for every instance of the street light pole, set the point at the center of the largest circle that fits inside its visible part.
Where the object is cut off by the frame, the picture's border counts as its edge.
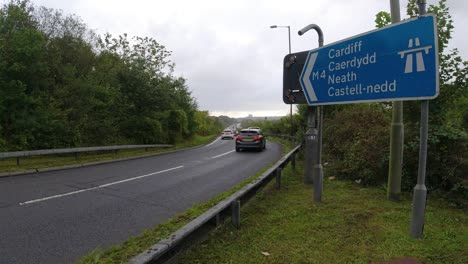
(289, 38)
(313, 136)
(289, 34)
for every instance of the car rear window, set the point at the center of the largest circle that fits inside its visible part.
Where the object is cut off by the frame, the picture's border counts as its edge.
(249, 133)
(227, 131)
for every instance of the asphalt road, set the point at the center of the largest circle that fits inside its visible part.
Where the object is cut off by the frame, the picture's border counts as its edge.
(59, 216)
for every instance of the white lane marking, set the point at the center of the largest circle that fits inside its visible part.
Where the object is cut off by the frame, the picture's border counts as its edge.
(214, 141)
(97, 187)
(222, 154)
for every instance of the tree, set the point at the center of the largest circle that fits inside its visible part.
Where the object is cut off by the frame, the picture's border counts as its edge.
(54, 24)
(382, 19)
(23, 78)
(206, 124)
(62, 86)
(149, 92)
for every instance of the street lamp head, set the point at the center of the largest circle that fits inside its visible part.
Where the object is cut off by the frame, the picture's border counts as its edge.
(273, 26)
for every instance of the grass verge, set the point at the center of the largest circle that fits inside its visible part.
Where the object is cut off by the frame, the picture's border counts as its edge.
(137, 244)
(48, 161)
(353, 224)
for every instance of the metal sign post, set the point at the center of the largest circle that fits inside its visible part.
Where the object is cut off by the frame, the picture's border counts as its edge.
(420, 190)
(313, 136)
(395, 162)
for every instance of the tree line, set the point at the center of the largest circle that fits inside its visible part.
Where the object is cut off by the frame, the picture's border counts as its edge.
(62, 85)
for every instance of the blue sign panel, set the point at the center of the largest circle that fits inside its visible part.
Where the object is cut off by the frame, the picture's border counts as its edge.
(398, 62)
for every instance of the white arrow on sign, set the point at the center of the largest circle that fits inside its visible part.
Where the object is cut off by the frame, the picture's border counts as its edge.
(309, 89)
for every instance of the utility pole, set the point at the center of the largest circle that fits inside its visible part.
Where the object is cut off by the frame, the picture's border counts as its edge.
(397, 132)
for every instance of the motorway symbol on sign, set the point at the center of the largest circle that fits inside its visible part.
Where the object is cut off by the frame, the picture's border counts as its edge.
(398, 62)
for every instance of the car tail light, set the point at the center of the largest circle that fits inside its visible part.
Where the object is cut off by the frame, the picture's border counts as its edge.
(256, 138)
(238, 138)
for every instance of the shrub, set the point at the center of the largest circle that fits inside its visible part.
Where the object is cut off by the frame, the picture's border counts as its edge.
(356, 142)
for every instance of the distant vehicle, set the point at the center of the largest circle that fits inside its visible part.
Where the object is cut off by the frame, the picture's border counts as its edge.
(227, 134)
(250, 139)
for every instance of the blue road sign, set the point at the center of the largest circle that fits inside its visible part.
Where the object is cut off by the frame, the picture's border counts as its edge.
(394, 63)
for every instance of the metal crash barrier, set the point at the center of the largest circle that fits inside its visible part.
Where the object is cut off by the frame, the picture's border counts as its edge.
(30, 153)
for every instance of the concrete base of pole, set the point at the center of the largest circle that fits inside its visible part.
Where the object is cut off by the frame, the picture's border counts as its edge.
(419, 206)
(394, 197)
(318, 182)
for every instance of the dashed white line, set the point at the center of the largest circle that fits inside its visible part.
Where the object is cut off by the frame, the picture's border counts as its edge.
(222, 154)
(97, 187)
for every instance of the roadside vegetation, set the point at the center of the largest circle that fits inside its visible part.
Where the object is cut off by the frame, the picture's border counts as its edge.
(353, 224)
(63, 86)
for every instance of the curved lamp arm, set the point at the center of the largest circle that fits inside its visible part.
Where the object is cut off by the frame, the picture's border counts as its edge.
(317, 28)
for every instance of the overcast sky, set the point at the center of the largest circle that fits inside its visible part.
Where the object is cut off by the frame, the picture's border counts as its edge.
(226, 50)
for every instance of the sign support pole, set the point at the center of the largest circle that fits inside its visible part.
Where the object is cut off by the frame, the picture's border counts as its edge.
(397, 132)
(313, 137)
(420, 190)
(311, 140)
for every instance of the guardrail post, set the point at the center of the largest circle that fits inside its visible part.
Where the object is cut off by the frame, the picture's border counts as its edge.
(76, 155)
(235, 209)
(216, 221)
(293, 161)
(278, 178)
(17, 161)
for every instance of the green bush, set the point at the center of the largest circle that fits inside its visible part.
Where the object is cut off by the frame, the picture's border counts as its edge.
(447, 162)
(356, 143)
(356, 146)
